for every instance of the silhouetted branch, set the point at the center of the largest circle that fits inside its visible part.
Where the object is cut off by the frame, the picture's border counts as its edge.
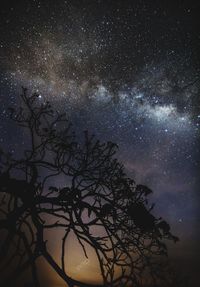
(97, 194)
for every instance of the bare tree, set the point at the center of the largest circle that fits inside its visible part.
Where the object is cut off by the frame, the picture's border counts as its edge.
(97, 193)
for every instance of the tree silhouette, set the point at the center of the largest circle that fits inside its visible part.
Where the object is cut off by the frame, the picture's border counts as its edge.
(96, 193)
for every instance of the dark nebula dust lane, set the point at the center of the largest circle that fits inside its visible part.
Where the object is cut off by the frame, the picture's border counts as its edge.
(128, 71)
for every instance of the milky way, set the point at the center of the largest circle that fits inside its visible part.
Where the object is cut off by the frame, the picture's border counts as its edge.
(127, 73)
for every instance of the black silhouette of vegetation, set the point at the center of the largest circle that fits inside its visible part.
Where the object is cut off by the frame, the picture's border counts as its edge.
(97, 193)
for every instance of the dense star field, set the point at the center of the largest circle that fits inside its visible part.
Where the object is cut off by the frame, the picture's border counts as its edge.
(128, 72)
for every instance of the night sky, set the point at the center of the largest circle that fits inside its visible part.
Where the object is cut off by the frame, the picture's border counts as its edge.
(127, 71)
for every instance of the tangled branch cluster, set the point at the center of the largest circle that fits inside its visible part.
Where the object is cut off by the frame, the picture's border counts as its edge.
(97, 195)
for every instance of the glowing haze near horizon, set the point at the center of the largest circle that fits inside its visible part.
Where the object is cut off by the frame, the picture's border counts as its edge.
(126, 71)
